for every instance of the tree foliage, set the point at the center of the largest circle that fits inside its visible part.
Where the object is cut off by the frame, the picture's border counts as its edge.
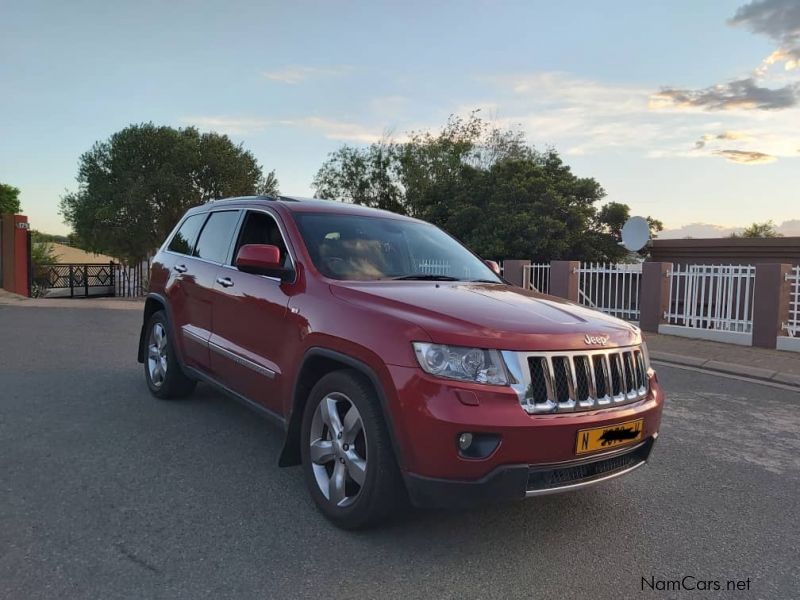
(488, 187)
(9, 199)
(133, 187)
(758, 230)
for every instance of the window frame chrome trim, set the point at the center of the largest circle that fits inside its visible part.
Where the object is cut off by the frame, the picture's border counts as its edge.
(286, 243)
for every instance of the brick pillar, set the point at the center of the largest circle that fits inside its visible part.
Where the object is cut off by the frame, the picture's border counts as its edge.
(770, 303)
(14, 254)
(564, 279)
(512, 270)
(654, 295)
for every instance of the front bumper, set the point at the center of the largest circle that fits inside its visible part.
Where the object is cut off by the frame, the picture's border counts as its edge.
(429, 414)
(515, 482)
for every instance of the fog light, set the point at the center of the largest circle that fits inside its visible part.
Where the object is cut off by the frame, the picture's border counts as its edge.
(464, 441)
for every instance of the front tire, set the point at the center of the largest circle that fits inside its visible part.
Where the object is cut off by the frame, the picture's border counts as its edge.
(162, 371)
(348, 461)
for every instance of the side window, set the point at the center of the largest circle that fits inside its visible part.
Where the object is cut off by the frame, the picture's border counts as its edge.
(261, 228)
(184, 239)
(216, 237)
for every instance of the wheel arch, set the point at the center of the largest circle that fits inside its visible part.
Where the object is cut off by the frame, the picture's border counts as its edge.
(152, 304)
(318, 362)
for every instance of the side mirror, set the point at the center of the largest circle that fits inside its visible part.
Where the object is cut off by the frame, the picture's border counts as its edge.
(493, 266)
(262, 259)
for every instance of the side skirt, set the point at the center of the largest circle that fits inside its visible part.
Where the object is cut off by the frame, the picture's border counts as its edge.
(261, 410)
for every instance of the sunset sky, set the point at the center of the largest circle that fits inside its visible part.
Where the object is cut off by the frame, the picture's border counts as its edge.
(687, 111)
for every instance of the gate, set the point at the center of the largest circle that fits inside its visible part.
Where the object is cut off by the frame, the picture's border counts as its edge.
(74, 280)
(131, 281)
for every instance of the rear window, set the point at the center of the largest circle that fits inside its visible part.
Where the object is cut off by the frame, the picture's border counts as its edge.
(184, 239)
(217, 235)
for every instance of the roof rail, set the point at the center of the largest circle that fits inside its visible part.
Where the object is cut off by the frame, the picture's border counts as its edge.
(260, 197)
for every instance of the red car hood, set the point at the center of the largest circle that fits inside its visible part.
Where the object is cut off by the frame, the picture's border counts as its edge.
(490, 315)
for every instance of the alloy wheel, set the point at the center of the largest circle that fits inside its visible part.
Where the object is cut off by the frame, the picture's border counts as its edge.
(338, 449)
(157, 355)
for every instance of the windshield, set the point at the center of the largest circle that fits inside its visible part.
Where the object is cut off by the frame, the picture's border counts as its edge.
(371, 248)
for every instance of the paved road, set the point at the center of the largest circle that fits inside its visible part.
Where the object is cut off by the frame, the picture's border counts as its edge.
(107, 493)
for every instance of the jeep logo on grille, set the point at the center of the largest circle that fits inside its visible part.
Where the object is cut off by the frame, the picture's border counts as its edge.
(595, 340)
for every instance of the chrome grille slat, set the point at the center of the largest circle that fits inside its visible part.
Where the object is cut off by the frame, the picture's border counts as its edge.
(549, 382)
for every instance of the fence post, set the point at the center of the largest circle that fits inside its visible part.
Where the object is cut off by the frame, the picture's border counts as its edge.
(564, 279)
(113, 282)
(770, 303)
(86, 280)
(654, 295)
(71, 282)
(513, 271)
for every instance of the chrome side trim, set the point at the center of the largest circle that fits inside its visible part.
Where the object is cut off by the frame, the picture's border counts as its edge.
(241, 360)
(577, 398)
(582, 484)
(191, 335)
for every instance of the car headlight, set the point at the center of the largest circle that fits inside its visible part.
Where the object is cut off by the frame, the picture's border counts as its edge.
(466, 364)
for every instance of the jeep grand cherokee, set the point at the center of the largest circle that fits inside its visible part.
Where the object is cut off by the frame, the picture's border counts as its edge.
(398, 364)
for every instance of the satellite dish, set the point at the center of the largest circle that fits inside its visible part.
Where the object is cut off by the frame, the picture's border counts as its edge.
(635, 233)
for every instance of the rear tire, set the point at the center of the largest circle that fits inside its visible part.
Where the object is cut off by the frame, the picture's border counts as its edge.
(162, 371)
(348, 461)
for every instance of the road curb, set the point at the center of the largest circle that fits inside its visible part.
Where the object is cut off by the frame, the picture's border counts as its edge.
(728, 368)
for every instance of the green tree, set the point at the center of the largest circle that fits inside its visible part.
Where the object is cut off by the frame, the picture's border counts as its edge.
(364, 176)
(758, 230)
(42, 253)
(268, 186)
(486, 186)
(133, 187)
(9, 199)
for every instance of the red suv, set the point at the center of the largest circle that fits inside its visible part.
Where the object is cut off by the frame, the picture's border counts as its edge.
(398, 363)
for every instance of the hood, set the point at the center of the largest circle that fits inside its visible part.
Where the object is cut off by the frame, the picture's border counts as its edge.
(490, 315)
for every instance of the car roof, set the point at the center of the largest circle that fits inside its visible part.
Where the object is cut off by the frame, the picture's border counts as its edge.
(299, 204)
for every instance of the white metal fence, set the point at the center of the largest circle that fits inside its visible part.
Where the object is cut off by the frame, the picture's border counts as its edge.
(793, 325)
(611, 288)
(712, 297)
(434, 267)
(536, 277)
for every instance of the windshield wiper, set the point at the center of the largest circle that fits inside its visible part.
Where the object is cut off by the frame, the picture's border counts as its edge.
(425, 277)
(484, 281)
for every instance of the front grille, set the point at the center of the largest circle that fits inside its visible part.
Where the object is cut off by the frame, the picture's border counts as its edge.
(554, 476)
(571, 381)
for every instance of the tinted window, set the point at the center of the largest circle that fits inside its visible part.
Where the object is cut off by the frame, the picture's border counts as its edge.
(261, 228)
(216, 237)
(185, 237)
(368, 248)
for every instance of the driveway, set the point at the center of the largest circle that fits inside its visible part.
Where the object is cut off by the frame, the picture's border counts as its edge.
(106, 492)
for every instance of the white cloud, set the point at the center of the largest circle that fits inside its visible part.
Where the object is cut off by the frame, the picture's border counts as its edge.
(298, 74)
(708, 230)
(228, 125)
(333, 129)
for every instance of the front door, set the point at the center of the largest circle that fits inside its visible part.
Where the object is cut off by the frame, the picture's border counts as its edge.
(251, 329)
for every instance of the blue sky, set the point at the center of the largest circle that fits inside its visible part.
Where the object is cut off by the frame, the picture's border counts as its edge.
(670, 105)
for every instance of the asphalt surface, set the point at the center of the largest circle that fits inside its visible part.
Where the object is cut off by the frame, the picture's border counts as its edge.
(107, 493)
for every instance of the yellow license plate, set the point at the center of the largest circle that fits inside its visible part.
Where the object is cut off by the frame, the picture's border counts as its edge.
(609, 436)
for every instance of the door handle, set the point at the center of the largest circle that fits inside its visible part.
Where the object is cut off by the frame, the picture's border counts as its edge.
(225, 281)
(180, 268)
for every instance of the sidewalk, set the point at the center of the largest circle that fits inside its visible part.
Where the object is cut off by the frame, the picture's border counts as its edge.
(9, 299)
(758, 363)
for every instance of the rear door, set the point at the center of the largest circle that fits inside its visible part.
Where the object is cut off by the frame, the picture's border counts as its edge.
(252, 332)
(191, 297)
